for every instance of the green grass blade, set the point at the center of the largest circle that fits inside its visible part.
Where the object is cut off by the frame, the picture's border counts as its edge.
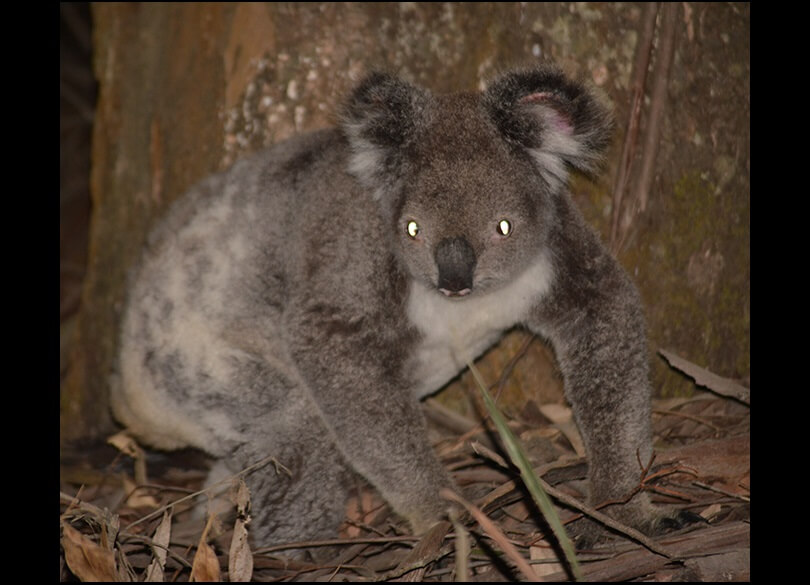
(519, 459)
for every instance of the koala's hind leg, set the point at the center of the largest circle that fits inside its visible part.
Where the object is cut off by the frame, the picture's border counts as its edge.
(301, 494)
(255, 417)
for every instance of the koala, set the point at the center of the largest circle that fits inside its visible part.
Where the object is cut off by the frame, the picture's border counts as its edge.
(299, 304)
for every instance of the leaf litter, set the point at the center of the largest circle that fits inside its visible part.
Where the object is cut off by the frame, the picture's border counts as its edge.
(115, 528)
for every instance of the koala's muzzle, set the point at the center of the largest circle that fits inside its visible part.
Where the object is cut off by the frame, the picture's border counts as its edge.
(456, 261)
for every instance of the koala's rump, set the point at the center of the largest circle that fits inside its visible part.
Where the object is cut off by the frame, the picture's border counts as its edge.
(203, 355)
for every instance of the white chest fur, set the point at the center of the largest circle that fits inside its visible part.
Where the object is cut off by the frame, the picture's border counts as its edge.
(457, 330)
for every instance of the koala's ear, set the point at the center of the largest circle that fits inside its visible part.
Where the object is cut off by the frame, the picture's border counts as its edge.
(382, 117)
(559, 121)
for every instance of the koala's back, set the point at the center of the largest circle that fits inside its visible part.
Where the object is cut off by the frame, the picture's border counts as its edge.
(203, 334)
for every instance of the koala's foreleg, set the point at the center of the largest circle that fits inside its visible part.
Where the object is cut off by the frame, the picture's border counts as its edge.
(593, 318)
(366, 402)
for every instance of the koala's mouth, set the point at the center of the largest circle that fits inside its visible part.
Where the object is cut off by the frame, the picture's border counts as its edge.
(451, 293)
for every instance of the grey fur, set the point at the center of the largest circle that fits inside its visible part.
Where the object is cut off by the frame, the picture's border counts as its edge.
(282, 308)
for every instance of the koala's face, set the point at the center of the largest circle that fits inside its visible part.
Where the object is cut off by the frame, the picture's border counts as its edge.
(470, 216)
(468, 181)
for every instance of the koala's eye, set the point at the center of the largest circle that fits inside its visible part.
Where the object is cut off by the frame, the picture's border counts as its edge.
(504, 227)
(413, 228)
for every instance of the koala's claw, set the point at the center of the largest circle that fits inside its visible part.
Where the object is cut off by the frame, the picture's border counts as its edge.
(681, 519)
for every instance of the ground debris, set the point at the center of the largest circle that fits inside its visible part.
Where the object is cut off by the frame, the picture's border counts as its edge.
(702, 464)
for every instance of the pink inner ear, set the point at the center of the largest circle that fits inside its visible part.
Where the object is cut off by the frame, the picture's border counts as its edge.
(539, 97)
(551, 113)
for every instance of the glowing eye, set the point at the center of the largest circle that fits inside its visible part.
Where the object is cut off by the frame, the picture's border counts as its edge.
(413, 228)
(504, 227)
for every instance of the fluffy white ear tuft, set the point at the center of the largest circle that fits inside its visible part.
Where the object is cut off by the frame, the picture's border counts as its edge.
(560, 122)
(380, 118)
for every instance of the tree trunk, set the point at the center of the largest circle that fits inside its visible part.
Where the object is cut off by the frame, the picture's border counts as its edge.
(186, 89)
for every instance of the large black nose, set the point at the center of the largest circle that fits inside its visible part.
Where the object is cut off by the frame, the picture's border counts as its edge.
(456, 261)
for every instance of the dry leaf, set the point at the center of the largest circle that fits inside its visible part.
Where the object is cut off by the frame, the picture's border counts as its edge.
(138, 498)
(240, 496)
(240, 557)
(723, 461)
(707, 379)
(563, 419)
(205, 566)
(353, 514)
(556, 413)
(537, 553)
(87, 560)
(128, 446)
(159, 548)
(360, 510)
(369, 504)
(711, 511)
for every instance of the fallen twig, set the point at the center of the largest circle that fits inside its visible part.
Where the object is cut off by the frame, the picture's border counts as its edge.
(718, 490)
(494, 533)
(229, 479)
(640, 562)
(426, 551)
(606, 520)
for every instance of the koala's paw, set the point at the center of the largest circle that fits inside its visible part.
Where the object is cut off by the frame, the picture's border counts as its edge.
(587, 533)
(425, 518)
(674, 520)
(426, 513)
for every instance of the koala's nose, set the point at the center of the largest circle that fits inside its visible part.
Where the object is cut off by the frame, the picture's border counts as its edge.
(456, 260)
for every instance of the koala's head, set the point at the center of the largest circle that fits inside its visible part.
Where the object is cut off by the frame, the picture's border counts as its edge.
(468, 181)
